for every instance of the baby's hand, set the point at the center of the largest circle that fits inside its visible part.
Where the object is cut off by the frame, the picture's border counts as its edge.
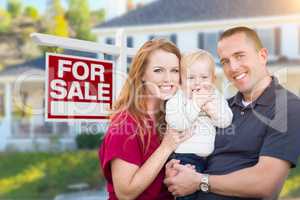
(200, 100)
(211, 108)
(203, 94)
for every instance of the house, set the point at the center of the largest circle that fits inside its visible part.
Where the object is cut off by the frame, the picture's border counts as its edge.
(193, 24)
(190, 24)
(22, 123)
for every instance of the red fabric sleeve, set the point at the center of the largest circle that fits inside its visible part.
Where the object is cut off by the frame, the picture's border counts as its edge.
(121, 141)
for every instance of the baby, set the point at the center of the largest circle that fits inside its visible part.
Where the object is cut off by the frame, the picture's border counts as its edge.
(197, 107)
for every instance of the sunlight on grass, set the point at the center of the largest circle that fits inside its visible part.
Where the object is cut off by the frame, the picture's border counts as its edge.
(291, 185)
(27, 176)
(48, 175)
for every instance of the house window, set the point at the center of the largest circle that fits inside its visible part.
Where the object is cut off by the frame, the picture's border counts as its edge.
(151, 37)
(130, 41)
(210, 43)
(173, 38)
(1, 106)
(111, 41)
(268, 38)
(129, 60)
(200, 40)
(299, 40)
(277, 41)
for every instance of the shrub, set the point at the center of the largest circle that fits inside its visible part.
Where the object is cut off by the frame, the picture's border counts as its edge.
(89, 141)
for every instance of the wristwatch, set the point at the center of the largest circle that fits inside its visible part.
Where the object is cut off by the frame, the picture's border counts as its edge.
(204, 184)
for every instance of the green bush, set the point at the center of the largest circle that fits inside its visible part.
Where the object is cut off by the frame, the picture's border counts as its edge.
(89, 141)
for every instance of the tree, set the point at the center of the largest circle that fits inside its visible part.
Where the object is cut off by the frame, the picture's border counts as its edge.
(80, 19)
(31, 12)
(14, 7)
(55, 18)
(5, 21)
(97, 16)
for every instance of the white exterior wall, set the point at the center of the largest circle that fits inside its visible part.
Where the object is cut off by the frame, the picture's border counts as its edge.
(34, 91)
(139, 40)
(187, 41)
(290, 40)
(101, 39)
(5, 124)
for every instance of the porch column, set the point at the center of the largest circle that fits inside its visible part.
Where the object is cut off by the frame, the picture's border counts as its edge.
(5, 127)
(121, 63)
(8, 108)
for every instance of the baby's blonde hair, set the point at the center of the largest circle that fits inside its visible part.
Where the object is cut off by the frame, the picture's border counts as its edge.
(190, 58)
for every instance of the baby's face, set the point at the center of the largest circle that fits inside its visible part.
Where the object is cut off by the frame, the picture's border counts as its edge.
(198, 74)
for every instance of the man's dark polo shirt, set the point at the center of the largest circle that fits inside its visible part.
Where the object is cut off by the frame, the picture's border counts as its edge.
(269, 126)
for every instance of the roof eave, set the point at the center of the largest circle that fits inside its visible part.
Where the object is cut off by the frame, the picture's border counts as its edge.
(204, 25)
(27, 76)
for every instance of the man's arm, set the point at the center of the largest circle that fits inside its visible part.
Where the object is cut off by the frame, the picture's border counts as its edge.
(262, 180)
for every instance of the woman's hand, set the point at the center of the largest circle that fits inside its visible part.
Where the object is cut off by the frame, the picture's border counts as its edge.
(173, 138)
(170, 171)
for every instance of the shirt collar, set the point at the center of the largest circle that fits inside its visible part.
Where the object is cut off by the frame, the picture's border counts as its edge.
(237, 100)
(268, 95)
(266, 98)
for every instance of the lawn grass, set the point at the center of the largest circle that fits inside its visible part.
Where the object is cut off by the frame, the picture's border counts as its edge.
(44, 175)
(292, 184)
(41, 176)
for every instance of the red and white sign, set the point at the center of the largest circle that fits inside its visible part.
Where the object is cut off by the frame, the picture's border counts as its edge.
(77, 88)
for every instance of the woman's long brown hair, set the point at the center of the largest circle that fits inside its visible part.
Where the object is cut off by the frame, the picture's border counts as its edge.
(131, 96)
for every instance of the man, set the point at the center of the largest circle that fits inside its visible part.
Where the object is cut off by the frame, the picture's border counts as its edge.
(253, 156)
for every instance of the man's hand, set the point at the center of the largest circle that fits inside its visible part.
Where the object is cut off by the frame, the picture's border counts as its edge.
(185, 182)
(170, 171)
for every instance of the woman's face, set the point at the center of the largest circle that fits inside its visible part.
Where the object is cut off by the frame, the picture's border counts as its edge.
(161, 77)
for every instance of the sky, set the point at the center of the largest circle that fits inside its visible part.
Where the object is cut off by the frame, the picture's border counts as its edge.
(41, 4)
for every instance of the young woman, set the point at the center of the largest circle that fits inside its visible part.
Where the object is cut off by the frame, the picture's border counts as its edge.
(133, 152)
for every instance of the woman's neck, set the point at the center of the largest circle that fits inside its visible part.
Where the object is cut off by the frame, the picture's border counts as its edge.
(153, 106)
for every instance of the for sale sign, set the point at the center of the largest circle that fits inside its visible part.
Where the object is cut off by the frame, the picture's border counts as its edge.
(77, 88)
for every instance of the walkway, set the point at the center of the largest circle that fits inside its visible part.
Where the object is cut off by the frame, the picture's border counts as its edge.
(86, 195)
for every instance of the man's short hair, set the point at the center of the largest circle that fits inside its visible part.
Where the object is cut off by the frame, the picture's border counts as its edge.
(250, 34)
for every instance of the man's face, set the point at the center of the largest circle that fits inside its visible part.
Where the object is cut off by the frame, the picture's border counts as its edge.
(243, 65)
